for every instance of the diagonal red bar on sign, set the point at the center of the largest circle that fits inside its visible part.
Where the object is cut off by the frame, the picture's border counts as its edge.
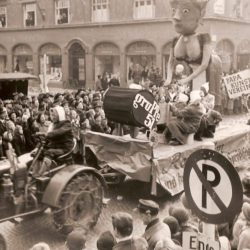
(209, 189)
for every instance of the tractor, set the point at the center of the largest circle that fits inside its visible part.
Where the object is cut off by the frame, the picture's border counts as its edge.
(73, 192)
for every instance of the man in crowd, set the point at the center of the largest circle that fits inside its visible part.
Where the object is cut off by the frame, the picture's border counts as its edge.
(157, 233)
(123, 229)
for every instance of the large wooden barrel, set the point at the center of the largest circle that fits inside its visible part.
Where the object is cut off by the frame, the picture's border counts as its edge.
(131, 106)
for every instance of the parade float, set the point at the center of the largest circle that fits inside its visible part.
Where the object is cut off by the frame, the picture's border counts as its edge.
(149, 158)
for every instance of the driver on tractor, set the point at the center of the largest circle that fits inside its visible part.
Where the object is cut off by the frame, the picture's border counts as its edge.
(59, 141)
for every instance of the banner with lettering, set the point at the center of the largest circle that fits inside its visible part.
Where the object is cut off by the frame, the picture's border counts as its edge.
(237, 84)
(133, 156)
(171, 163)
(235, 147)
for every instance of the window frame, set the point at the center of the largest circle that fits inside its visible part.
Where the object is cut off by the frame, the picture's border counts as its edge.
(141, 7)
(57, 11)
(5, 13)
(104, 12)
(25, 14)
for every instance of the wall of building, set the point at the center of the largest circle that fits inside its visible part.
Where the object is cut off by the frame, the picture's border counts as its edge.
(121, 31)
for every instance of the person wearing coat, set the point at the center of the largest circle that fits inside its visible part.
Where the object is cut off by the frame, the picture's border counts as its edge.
(59, 139)
(157, 233)
(187, 120)
(19, 142)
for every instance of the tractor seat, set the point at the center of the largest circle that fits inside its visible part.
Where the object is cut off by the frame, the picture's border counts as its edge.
(68, 155)
(4, 166)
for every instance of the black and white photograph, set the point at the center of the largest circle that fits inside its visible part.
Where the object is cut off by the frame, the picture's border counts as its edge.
(125, 124)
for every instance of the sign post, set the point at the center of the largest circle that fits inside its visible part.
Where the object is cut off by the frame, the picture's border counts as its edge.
(212, 186)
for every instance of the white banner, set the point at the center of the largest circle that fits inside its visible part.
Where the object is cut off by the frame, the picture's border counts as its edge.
(237, 84)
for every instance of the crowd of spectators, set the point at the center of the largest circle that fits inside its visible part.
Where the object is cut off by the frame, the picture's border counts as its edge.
(23, 117)
(165, 231)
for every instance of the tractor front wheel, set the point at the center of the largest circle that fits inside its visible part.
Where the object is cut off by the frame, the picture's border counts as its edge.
(80, 204)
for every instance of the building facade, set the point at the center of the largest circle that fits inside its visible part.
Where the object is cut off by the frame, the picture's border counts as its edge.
(76, 40)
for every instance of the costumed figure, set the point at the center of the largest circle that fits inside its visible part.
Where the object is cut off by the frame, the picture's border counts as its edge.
(187, 121)
(193, 49)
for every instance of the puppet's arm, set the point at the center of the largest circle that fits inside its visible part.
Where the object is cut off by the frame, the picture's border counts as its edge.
(170, 68)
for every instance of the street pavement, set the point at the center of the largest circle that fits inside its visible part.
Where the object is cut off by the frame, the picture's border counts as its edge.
(120, 198)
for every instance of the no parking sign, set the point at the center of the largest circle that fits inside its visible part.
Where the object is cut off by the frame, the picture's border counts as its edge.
(212, 186)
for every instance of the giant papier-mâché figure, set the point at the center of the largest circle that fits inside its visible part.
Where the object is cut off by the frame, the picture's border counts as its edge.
(193, 49)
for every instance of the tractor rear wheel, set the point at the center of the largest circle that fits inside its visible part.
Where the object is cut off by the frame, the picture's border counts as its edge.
(80, 204)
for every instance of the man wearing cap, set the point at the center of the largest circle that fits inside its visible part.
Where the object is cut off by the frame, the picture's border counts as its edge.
(123, 228)
(157, 233)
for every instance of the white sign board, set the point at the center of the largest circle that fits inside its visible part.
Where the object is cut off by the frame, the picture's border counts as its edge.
(219, 7)
(237, 84)
(207, 174)
(194, 241)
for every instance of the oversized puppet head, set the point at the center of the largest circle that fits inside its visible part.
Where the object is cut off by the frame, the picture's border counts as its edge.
(187, 15)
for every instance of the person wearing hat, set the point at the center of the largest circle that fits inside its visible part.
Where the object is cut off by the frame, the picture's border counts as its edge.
(156, 232)
(123, 228)
(244, 237)
(76, 240)
(98, 109)
(59, 140)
